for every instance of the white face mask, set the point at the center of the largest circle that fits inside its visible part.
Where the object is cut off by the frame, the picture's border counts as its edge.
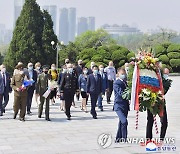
(30, 68)
(38, 68)
(53, 68)
(101, 69)
(3, 70)
(85, 71)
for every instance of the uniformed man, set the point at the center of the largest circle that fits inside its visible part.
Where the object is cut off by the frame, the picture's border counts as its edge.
(68, 87)
(41, 87)
(20, 92)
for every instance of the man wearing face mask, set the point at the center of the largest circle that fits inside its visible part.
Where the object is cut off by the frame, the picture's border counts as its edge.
(90, 71)
(41, 88)
(32, 76)
(94, 89)
(20, 92)
(104, 84)
(121, 106)
(64, 70)
(6, 88)
(67, 61)
(68, 87)
(79, 70)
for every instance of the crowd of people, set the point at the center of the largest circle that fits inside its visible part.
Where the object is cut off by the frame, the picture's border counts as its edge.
(95, 82)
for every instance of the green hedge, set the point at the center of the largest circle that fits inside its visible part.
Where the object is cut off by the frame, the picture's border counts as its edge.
(174, 55)
(159, 50)
(164, 59)
(174, 48)
(175, 62)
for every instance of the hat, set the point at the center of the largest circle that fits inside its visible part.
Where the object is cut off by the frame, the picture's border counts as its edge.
(45, 66)
(20, 65)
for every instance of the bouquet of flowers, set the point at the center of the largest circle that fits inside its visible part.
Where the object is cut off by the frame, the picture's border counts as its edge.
(51, 85)
(146, 86)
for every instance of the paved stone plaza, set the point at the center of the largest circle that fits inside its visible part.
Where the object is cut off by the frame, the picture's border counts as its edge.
(80, 135)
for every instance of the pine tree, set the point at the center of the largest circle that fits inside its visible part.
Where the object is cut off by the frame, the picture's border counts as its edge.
(48, 36)
(31, 37)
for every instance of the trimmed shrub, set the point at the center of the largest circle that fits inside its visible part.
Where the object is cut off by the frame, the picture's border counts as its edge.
(164, 59)
(174, 48)
(174, 55)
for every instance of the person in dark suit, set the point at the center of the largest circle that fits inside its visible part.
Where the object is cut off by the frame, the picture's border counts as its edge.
(121, 106)
(163, 119)
(79, 70)
(32, 76)
(68, 87)
(7, 88)
(94, 88)
(64, 70)
(105, 86)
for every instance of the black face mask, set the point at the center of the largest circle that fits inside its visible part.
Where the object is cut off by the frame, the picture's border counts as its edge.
(46, 72)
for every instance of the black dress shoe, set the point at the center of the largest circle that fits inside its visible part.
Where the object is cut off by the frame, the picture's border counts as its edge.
(48, 119)
(68, 118)
(39, 116)
(14, 117)
(22, 119)
(94, 117)
(3, 110)
(1, 114)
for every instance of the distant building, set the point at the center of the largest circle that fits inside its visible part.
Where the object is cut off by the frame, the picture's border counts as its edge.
(85, 24)
(18, 5)
(91, 23)
(63, 26)
(82, 25)
(52, 9)
(5, 35)
(71, 24)
(115, 30)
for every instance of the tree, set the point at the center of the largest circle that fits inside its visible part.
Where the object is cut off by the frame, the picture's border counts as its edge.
(48, 36)
(31, 37)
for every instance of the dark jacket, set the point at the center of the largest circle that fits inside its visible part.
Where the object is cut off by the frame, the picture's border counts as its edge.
(119, 87)
(79, 70)
(69, 82)
(104, 80)
(93, 86)
(8, 88)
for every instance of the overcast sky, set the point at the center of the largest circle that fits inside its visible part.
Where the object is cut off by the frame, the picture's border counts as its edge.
(145, 14)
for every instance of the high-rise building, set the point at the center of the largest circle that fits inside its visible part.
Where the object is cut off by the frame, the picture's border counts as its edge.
(63, 25)
(18, 5)
(91, 23)
(72, 23)
(52, 9)
(82, 25)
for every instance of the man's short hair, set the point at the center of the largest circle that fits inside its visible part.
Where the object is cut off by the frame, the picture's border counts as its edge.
(94, 66)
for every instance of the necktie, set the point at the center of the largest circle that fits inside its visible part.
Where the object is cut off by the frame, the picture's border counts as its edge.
(4, 80)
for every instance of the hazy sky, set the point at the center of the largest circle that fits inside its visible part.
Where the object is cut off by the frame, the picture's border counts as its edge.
(146, 14)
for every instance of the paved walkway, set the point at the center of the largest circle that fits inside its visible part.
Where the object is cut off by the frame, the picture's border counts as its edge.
(80, 135)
